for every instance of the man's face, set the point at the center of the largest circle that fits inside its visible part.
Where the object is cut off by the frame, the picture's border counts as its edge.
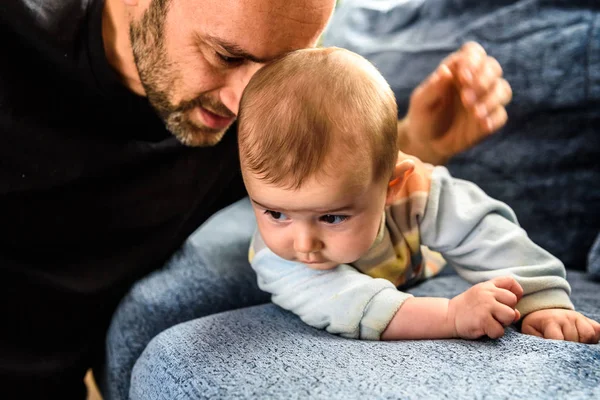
(196, 57)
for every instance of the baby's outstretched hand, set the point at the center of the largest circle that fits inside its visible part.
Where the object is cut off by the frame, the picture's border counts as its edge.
(486, 308)
(561, 324)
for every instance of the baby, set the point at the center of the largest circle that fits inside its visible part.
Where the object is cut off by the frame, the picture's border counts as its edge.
(345, 219)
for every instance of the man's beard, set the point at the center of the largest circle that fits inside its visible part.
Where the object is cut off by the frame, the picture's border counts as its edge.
(157, 76)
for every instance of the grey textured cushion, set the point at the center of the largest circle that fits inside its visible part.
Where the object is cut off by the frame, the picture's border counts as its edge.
(267, 353)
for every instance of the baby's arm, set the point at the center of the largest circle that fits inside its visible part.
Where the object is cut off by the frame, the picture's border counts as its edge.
(481, 238)
(351, 304)
(484, 309)
(342, 301)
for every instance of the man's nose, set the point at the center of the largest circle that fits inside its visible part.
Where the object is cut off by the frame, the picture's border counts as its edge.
(236, 82)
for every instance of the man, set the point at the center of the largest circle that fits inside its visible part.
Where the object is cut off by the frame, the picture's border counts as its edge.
(117, 119)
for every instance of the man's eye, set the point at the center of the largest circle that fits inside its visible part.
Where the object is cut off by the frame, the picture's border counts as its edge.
(333, 219)
(276, 215)
(230, 60)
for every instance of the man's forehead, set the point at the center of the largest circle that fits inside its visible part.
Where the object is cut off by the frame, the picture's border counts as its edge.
(287, 7)
(264, 29)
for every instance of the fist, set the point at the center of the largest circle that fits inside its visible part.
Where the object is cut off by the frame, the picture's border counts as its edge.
(486, 308)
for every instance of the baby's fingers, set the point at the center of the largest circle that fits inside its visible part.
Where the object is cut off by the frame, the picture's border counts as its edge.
(570, 331)
(509, 283)
(492, 328)
(529, 329)
(588, 330)
(553, 331)
(506, 297)
(504, 314)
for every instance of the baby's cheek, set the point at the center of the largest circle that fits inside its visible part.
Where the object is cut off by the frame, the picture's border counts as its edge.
(272, 240)
(356, 246)
(281, 246)
(274, 243)
(281, 251)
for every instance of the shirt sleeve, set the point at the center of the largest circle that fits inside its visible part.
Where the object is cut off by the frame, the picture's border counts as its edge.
(342, 300)
(480, 237)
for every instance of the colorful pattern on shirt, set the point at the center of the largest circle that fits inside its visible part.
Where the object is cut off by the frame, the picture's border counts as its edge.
(397, 254)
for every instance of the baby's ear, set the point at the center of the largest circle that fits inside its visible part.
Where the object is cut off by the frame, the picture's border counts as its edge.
(402, 167)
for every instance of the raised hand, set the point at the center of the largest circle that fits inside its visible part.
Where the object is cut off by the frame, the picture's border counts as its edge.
(459, 104)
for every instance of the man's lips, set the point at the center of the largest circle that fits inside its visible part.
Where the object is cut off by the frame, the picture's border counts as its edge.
(213, 120)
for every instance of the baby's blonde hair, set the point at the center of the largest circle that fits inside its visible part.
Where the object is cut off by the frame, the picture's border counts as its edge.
(307, 112)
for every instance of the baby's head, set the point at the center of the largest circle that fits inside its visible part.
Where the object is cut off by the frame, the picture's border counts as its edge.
(318, 144)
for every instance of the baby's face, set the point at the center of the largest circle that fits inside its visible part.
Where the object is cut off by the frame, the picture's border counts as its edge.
(327, 222)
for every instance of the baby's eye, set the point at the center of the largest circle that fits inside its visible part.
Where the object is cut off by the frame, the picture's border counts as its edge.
(276, 215)
(333, 219)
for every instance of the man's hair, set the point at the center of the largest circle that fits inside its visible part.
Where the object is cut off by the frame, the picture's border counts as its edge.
(311, 110)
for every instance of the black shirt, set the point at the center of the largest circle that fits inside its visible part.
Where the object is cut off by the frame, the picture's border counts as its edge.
(94, 191)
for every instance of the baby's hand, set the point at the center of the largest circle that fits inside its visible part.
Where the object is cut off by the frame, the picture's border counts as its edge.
(561, 324)
(486, 308)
